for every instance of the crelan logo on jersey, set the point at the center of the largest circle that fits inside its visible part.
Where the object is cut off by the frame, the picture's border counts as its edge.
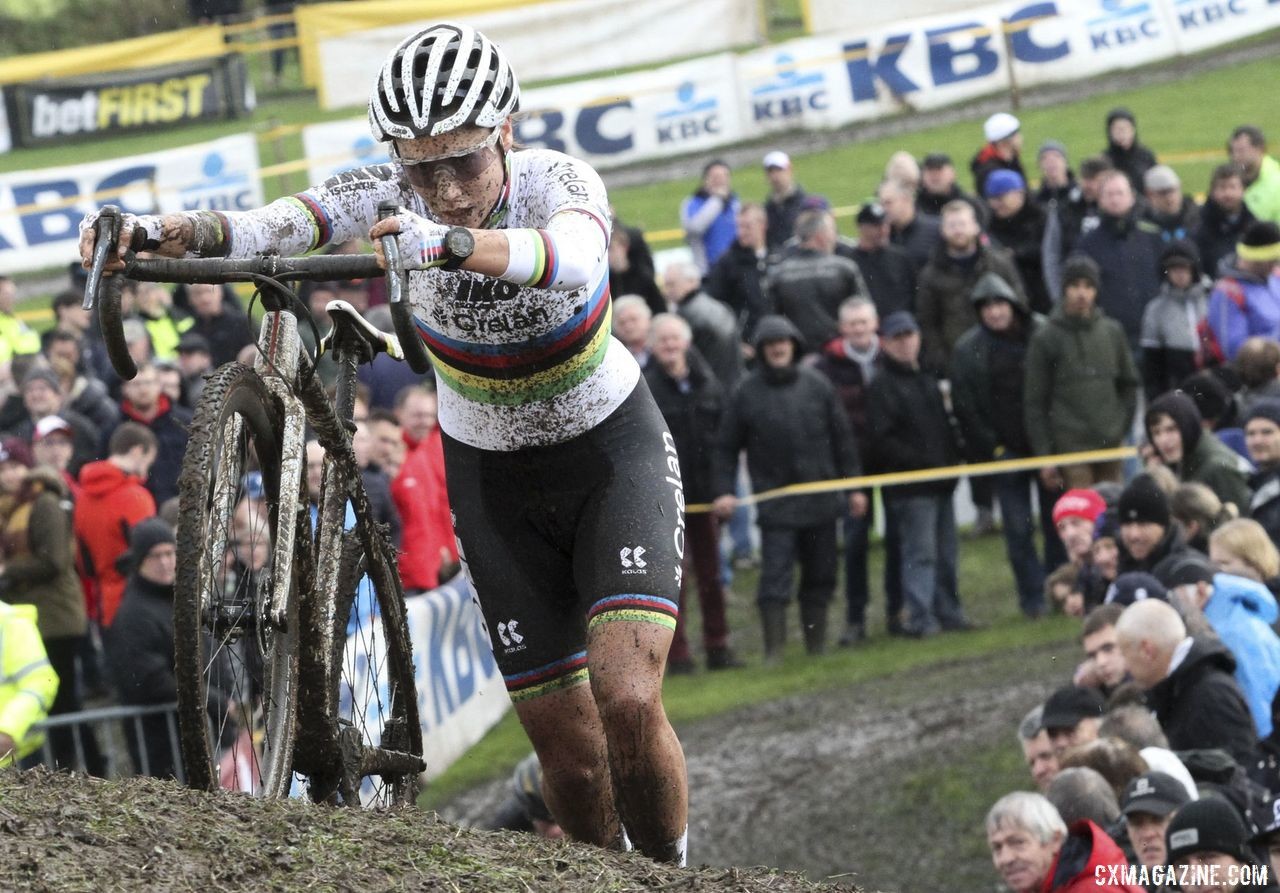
(633, 560)
(512, 640)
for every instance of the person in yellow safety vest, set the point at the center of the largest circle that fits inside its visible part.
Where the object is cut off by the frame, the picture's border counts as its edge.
(27, 682)
(165, 324)
(16, 337)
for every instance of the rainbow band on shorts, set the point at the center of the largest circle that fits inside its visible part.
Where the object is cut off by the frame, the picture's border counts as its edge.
(563, 673)
(634, 608)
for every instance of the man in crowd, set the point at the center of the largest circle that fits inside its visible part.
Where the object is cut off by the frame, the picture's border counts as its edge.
(715, 331)
(1071, 717)
(1002, 151)
(1177, 215)
(1019, 226)
(631, 320)
(1189, 682)
(1059, 194)
(1209, 837)
(144, 404)
(913, 232)
(1224, 217)
(1126, 152)
(1104, 664)
(1149, 802)
(791, 424)
(1180, 442)
(786, 199)
(708, 215)
(629, 278)
(1248, 150)
(1148, 534)
(1127, 251)
(889, 273)
(938, 187)
(195, 361)
(850, 362)
(1024, 833)
(42, 396)
(165, 324)
(1245, 300)
(943, 302)
(910, 430)
(737, 279)
(692, 402)
(223, 325)
(1037, 749)
(1074, 516)
(810, 283)
(1262, 440)
(1081, 387)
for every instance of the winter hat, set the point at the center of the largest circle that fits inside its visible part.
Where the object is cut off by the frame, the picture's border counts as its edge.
(145, 536)
(1052, 146)
(1184, 569)
(1078, 267)
(1067, 706)
(990, 287)
(1002, 181)
(42, 373)
(1134, 586)
(1120, 113)
(1212, 397)
(1161, 178)
(1261, 242)
(1264, 409)
(773, 327)
(15, 449)
(1181, 252)
(1178, 406)
(1079, 503)
(999, 126)
(1207, 825)
(872, 212)
(1143, 501)
(1107, 527)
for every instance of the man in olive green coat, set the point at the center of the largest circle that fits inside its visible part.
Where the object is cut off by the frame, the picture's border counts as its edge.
(1082, 385)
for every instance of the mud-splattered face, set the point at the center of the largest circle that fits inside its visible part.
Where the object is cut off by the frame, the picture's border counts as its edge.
(459, 174)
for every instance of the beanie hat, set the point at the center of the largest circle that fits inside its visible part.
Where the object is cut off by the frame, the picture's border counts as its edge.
(145, 536)
(1052, 146)
(1120, 113)
(1078, 267)
(1079, 503)
(1182, 252)
(1213, 397)
(1143, 501)
(15, 449)
(1264, 409)
(42, 373)
(1002, 181)
(1261, 242)
(1207, 825)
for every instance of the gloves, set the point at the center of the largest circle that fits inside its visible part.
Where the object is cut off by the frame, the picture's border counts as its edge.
(150, 224)
(421, 242)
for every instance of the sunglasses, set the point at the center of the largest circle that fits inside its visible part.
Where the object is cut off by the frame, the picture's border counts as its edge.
(463, 166)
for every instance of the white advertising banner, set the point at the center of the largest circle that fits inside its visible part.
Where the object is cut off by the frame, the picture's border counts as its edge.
(338, 146)
(556, 40)
(40, 210)
(6, 141)
(1200, 24)
(841, 15)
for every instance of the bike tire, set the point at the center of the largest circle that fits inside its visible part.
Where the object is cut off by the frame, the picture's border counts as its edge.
(231, 663)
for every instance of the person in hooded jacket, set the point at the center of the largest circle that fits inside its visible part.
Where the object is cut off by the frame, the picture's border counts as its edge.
(1262, 438)
(1189, 682)
(1125, 151)
(1174, 429)
(988, 366)
(791, 424)
(1241, 612)
(1245, 300)
(1223, 218)
(1148, 533)
(1018, 225)
(1170, 339)
(1082, 862)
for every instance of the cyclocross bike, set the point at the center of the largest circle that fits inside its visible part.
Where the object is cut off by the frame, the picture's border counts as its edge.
(293, 659)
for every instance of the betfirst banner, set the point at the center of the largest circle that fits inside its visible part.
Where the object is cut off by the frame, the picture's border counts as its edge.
(40, 210)
(551, 40)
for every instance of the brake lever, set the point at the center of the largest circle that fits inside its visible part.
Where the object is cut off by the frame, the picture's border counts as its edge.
(391, 251)
(107, 229)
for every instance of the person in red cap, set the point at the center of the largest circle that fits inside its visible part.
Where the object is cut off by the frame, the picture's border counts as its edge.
(1074, 515)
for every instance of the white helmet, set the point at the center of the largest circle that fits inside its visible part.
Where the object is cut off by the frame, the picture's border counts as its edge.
(445, 77)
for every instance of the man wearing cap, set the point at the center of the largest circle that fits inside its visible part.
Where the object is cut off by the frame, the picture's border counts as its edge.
(987, 371)
(1241, 612)
(786, 199)
(811, 282)
(194, 362)
(42, 396)
(1208, 838)
(1074, 516)
(1082, 386)
(915, 233)
(938, 186)
(1149, 802)
(911, 430)
(943, 303)
(52, 446)
(791, 424)
(737, 279)
(1245, 300)
(1248, 150)
(1262, 440)
(1002, 151)
(1019, 226)
(1126, 153)
(887, 269)
(1188, 681)
(139, 644)
(707, 216)
(1176, 214)
(1072, 716)
(1127, 250)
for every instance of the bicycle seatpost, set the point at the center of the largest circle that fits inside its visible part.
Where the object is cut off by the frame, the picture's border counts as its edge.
(108, 241)
(401, 313)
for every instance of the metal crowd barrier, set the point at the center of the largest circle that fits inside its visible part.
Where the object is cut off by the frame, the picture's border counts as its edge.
(112, 722)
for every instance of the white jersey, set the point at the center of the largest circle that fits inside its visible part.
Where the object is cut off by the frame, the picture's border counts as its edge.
(517, 365)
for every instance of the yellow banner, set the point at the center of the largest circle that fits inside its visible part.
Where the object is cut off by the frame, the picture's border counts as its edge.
(138, 52)
(319, 20)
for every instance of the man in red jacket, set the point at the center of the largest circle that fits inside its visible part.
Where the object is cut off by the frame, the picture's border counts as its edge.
(426, 533)
(113, 500)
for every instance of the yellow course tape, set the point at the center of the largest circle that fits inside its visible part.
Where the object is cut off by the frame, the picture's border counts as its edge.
(929, 474)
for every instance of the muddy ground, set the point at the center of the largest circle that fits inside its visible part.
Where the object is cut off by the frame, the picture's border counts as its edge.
(882, 785)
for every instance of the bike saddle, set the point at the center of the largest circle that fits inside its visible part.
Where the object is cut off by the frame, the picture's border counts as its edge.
(367, 340)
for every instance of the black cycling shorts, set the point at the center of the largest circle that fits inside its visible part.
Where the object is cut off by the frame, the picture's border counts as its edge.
(561, 538)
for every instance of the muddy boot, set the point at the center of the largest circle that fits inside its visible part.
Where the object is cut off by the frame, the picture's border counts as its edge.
(773, 619)
(813, 619)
